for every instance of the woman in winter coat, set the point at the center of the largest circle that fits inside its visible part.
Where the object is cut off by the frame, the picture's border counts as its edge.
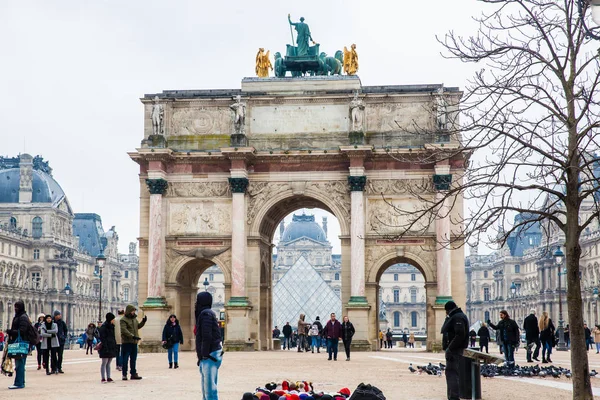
(108, 349)
(546, 337)
(347, 333)
(596, 332)
(37, 325)
(50, 344)
(172, 336)
(472, 337)
(411, 340)
(90, 333)
(484, 338)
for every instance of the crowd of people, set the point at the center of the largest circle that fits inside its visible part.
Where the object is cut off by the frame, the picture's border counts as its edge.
(116, 338)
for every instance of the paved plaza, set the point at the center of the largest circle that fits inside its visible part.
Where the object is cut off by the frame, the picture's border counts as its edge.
(243, 371)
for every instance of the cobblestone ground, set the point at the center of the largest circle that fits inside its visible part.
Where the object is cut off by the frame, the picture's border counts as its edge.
(387, 369)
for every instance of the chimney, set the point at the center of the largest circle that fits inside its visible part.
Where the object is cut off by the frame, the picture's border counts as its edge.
(25, 178)
(281, 229)
(325, 226)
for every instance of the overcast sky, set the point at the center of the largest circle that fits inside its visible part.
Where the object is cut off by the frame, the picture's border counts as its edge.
(72, 72)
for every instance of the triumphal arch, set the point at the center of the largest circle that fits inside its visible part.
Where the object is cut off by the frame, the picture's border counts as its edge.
(219, 169)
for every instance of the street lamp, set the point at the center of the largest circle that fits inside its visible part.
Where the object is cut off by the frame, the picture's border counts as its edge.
(595, 292)
(68, 292)
(67, 289)
(100, 260)
(205, 283)
(513, 289)
(559, 257)
(595, 9)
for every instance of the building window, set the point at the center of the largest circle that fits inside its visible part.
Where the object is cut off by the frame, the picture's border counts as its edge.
(413, 295)
(414, 319)
(396, 277)
(318, 260)
(13, 222)
(36, 225)
(396, 295)
(96, 289)
(36, 279)
(126, 274)
(517, 269)
(413, 277)
(486, 294)
(486, 316)
(336, 276)
(485, 274)
(36, 254)
(396, 318)
(126, 294)
(211, 277)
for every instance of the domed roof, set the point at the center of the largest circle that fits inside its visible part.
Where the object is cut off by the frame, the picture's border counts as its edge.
(303, 226)
(45, 188)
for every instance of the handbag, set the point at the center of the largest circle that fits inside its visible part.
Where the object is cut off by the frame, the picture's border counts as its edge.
(18, 348)
(98, 346)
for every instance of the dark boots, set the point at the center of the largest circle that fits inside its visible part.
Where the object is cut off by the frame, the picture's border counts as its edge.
(170, 365)
(176, 365)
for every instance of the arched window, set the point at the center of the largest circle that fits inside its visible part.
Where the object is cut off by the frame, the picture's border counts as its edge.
(337, 276)
(36, 225)
(396, 318)
(414, 319)
(13, 222)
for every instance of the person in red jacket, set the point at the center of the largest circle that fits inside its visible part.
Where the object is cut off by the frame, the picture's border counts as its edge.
(332, 332)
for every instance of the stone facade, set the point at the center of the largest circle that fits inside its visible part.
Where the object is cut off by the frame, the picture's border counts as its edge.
(296, 151)
(44, 247)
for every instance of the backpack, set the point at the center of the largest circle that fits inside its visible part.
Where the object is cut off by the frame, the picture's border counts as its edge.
(33, 335)
(314, 330)
(367, 392)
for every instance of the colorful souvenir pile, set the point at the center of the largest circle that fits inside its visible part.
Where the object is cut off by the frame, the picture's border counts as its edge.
(299, 390)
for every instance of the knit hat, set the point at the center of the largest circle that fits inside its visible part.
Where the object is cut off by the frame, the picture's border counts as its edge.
(345, 392)
(56, 313)
(247, 396)
(449, 306)
(110, 316)
(42, 315)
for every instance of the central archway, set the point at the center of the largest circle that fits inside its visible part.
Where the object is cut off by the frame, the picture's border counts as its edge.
(260, 251)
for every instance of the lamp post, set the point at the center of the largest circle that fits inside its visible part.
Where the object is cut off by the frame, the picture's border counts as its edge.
(595, 292)
(100, 261)
(68, 292)
(205, 283)
(595, 9)
(559, 257)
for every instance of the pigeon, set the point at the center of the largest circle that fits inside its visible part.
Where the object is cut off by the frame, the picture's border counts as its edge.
(411, 369)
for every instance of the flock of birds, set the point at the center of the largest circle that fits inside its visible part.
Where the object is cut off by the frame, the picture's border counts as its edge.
(492, 370)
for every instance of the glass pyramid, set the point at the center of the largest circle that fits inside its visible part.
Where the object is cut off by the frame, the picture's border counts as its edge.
(303, 291)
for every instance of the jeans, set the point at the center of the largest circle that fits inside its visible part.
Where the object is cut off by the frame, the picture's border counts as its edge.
(174, 350)
(332, 347)
(209, 372)
(452, 379)
(597, 347)
(119, 357)
(509, 352)
(105, 368)
(316, 342)
(59, 356)
(536, 352)
(287, 341)
(129, 352)
(546, 349)
(20, 371)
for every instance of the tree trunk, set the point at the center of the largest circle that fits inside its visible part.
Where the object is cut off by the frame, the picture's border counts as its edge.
(582, 388)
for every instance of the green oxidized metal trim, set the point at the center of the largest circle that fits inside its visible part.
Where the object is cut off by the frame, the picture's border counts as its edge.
(358, 301)
(441, 300)
(357, 183)
(442, 182)
(238, 185)
(155, 302)
(157, 186)
(238, 302)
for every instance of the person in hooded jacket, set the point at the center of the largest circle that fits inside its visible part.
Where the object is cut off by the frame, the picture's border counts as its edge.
(455, 338)
(19, 327)
(347, 333)
(129, 339)
(302, 333)
(208, 345)
(108, 350)
(40, 352)
(172, 336)
(50, 344)
(484, 338)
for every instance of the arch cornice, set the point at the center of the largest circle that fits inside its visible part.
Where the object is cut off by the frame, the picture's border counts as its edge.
(391, 257)
(176, 264)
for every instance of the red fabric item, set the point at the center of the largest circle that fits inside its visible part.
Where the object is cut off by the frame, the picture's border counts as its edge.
(285, 385)
(294, 396)
(345, 391)
(194, 330)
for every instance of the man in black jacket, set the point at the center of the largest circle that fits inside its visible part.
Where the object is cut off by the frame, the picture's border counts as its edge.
(287, 335)
(63, 334)
(208, 345)
(532, 335)
(509, 332)
(455, 338)
(20, 327)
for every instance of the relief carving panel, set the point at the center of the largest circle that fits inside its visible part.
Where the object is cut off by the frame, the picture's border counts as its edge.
(200, 218)
(200, 121)
(390, 218)
(398, 186)
(398, 117)
(198, 189)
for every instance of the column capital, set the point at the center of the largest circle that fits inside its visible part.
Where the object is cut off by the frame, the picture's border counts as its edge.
(157, 186)
(238, 185)
(442, 182)
(357, 183)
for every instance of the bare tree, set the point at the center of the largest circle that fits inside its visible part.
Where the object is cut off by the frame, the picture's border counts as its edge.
(525, 141)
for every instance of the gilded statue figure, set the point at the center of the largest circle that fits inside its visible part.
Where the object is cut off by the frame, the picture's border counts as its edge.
(350, 60)
(302, 37)
(263, 63)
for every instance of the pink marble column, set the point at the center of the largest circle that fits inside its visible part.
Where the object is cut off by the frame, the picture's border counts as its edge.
(357, 239)
(443, 253)
(238, 242)
(155, 243)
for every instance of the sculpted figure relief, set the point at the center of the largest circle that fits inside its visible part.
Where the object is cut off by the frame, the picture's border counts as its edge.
(198, 189)
(350, 60)
(441, 110)
(263, 63)
(357, 113)
(239, 115)
(158, 115)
